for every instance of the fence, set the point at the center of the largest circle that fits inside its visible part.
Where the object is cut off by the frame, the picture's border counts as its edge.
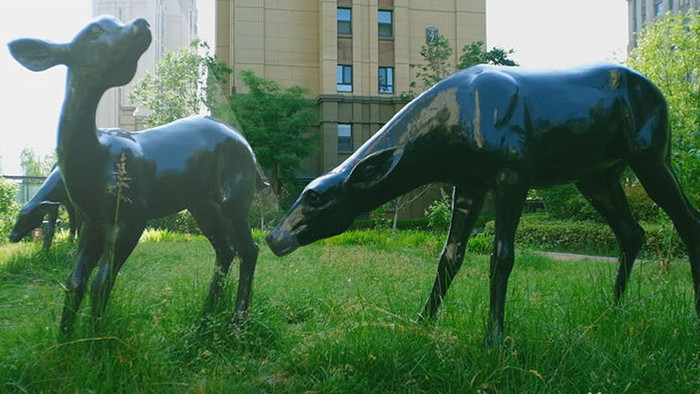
(27, 186)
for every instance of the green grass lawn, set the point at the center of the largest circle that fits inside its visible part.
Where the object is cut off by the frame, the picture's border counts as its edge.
(336, 317)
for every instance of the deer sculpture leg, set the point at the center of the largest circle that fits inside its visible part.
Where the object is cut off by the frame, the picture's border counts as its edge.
(50, 228)
(248, 252)
(90, 247)
(465, 211)
(119, 242)
(661, 184)
(510, 199)
(604, 192)
(215, 227)
(226, 227)
(72, 222)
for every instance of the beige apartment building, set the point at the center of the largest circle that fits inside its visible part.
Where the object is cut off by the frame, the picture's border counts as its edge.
(643, 11)
(353, 56)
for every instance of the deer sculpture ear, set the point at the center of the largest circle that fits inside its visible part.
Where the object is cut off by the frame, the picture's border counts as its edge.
(38, 55)
(374, 168)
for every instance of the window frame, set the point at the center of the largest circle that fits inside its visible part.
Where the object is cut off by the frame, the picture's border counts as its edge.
(388, 86)
(344, 85)
(659, 8)
(343, 22)
(390, 24)
(345, 141)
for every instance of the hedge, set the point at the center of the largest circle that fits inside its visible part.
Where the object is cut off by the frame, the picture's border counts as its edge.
(591, 237)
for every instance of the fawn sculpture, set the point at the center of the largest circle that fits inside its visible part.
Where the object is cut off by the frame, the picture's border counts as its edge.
(509, 130)
(46, 201)
(118, 180)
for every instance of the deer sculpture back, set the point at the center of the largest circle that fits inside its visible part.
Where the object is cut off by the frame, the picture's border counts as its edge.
(118, 180)
(508, 130)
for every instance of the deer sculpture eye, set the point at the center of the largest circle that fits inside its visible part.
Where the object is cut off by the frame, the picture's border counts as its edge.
(96, 30)
(314, 198)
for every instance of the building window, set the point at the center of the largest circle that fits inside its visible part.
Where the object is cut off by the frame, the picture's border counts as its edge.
(344, 78)
(386, 25)
(658, 8)
(345, 21)
(386, 80)
(344, 137)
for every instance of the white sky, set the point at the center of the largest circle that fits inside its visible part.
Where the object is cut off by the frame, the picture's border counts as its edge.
(543, 33)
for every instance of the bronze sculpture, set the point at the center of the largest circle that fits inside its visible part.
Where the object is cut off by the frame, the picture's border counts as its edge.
(118, 180)
(46, 201)
(509, 130)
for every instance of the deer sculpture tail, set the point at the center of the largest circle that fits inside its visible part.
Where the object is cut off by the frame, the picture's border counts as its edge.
(260, 182)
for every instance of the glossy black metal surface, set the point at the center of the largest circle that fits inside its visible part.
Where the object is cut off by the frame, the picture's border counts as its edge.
(45, 202)
(508, 130)
(118, 180)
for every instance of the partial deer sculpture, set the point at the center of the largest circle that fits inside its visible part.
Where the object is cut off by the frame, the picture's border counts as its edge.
(118, 180)
(509, 130)
(45, 202)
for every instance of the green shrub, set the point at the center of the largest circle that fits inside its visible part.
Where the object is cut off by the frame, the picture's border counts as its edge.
(413, 224)
(566, 202)
(480, 244)
(8, 207)
(439, 213)
(587, 236)
(379, 217)
(181, 222)
(153, 235)
(379, 238)
(404, 224)
(643, 207)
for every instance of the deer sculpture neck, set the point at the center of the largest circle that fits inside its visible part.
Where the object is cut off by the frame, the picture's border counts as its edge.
(77, 132)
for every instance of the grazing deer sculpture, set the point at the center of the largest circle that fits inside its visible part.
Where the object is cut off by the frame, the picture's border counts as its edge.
(117, 180)
(46, 201)
(509, 130)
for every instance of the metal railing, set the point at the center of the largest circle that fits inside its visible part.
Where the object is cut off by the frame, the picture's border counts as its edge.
(27, 186)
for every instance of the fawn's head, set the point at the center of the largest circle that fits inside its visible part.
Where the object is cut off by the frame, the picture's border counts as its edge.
(30, 217)
(104, 54)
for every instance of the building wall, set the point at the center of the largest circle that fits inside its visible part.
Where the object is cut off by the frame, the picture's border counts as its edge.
(173, 24)
(642, 11)
(297, 42)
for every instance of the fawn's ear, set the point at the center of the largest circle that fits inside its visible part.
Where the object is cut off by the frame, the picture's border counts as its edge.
(38, 55)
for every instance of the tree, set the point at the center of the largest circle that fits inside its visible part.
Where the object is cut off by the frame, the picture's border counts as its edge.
(275, 121)
(475, 53)
(181, 86)
(667, 53)
(404, 201)
(437, 67)
(35, 165)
